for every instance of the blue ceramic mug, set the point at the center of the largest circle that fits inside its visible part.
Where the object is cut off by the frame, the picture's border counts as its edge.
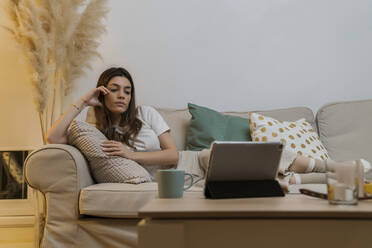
(171, 183)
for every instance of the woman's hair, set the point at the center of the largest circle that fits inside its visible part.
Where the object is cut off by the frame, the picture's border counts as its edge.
(129, 125)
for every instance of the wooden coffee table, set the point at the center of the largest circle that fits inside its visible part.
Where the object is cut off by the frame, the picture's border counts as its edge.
(290, 221)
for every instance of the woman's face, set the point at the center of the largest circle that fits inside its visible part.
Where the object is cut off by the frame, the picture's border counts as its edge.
(117, 101)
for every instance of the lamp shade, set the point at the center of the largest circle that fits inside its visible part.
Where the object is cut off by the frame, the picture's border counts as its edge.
(19, 121)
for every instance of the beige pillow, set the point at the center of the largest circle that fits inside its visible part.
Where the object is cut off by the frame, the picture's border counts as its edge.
(105, 169)
(298, 136)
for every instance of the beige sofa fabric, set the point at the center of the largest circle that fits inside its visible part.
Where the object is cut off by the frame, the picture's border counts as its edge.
(345, 129)
(106, 233)
(118, 200)
(59, 172)
(122, 200)
(178, 122)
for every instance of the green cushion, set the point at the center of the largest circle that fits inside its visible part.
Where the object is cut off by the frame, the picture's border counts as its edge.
(208, 125)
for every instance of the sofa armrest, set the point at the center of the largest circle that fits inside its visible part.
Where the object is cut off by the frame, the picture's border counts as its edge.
(59, 172)
(57, 168)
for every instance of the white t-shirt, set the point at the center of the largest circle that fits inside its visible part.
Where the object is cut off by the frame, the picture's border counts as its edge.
(147, 139)
(153, 125)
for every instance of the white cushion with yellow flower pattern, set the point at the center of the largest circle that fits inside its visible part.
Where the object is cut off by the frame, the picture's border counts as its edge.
(298, 136)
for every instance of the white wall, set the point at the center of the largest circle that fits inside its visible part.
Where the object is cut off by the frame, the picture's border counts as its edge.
(240, 54)
(19, 120)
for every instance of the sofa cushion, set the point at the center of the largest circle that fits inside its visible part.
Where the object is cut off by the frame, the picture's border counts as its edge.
(122, 200)
(208, 125)
(119, 200)
(297, 136)
(345, 129)
(104, 168)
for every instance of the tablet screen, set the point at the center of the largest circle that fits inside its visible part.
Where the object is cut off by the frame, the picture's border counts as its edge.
(239, 161)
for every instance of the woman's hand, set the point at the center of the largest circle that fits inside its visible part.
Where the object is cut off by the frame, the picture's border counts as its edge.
(91, 98)
(116, 148)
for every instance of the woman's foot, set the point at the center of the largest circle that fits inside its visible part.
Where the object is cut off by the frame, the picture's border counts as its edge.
(306, 165)
(308, 178)
(294, 179)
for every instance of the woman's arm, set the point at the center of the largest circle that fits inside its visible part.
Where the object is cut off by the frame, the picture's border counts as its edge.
(57, 134)
(167, 156)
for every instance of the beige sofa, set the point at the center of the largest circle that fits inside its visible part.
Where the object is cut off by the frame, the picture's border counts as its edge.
(80, 213)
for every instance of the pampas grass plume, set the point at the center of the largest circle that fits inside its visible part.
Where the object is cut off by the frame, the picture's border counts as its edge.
(59, 42)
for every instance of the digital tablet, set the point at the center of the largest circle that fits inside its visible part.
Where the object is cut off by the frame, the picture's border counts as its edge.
(244, 161)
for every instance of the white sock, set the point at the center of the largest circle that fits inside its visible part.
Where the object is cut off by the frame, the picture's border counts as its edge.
(298, 178)
(311, 165)
(366, 165)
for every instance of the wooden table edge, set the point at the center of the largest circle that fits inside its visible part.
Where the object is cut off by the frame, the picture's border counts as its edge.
(256, 215)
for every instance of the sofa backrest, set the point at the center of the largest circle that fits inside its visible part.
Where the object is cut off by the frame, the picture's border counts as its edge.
(345, 129)
(178, 120)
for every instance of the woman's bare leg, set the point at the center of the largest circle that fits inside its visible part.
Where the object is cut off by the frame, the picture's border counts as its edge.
(203, 157)
(300, 164)
(304, 166)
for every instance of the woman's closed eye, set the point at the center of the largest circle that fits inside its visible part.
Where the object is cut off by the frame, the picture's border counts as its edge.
(125, 92)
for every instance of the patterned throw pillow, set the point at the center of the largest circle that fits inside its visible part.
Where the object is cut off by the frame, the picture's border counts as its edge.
(105, 169)
(298, 136)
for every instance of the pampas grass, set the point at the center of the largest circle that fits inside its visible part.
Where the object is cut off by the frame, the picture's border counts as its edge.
(84, 43)
(59, 39)
(29, 34)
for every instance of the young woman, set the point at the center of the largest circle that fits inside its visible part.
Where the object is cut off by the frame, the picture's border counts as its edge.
(139, 134)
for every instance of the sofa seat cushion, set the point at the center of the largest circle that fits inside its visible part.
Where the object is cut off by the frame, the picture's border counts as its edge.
(120, 200)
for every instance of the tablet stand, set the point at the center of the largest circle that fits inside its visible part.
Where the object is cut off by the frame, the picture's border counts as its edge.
(242, 189)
